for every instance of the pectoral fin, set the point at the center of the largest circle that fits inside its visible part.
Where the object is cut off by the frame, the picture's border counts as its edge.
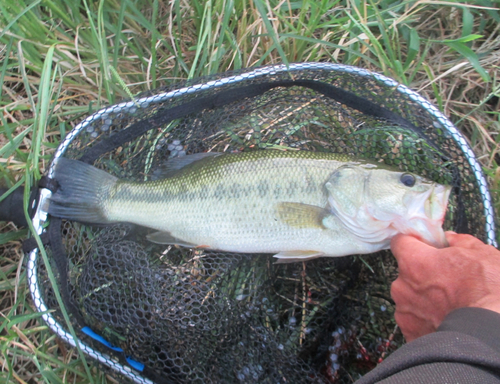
(301, 215)
(296, 256)
(167, 238)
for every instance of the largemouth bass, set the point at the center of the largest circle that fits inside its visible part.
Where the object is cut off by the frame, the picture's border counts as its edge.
(296, 204)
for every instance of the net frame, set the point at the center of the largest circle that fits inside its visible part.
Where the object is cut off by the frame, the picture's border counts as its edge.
(40, 215)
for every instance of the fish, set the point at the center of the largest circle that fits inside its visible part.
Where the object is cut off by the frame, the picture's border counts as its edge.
(297, 205)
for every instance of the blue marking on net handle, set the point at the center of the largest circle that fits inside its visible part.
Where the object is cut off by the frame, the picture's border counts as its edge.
(133, 363)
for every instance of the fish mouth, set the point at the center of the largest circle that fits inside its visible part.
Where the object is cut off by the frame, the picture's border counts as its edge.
(427, 223)
(435, 206)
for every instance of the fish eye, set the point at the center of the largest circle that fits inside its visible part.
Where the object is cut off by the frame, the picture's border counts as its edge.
(408, 179)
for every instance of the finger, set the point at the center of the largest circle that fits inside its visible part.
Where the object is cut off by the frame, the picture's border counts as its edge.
(404, 244)
(410, 251)
(396, 288)
(407, 325)
(411, 327)
(463, 240)
(405, 296)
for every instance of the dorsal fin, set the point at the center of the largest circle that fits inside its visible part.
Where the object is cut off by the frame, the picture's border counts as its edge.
(172, 166)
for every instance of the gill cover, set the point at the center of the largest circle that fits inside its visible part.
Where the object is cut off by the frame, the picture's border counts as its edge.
(347, 196)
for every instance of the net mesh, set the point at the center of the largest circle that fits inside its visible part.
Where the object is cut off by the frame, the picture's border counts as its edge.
(198, 316)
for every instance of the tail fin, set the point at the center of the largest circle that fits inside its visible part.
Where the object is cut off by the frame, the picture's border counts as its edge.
(82, 192)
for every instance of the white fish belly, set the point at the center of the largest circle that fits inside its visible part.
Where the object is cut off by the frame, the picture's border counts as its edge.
(247, 228)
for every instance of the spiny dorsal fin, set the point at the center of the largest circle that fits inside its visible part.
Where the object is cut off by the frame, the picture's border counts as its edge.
(173, 165)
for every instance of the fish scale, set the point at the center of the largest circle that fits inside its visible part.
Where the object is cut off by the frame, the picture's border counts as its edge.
(238, 198)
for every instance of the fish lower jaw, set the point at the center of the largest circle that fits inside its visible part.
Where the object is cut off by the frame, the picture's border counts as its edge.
(429, 231)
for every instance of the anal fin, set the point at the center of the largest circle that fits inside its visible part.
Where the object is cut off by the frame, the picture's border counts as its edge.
(296, 256)
(167, 238)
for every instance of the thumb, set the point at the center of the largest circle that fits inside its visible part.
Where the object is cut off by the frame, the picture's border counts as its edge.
(402, 245)
(463, 240)
(408, 250)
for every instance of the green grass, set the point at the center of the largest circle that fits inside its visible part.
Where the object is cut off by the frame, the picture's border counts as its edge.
(61, 60)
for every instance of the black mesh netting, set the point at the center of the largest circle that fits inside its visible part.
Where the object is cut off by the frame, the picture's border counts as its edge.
(195, 316)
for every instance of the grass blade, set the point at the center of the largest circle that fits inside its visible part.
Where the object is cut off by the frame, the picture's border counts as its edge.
(471, 56)
(270, 30)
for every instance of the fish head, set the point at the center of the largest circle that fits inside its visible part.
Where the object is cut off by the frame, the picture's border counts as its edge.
(380, 203)
(414, 206)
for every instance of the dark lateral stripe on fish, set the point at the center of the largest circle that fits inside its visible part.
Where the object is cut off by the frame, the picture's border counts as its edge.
(196, 180)
(136, 191)
(84, 190)
(202, 173)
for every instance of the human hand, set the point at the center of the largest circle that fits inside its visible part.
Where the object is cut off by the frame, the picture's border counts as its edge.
(433, 282)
